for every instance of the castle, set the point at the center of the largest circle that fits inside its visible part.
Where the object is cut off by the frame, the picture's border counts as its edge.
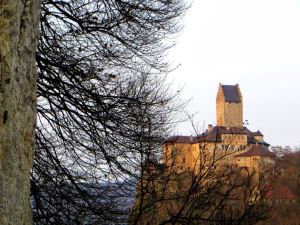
(223, 174)
(229, 142)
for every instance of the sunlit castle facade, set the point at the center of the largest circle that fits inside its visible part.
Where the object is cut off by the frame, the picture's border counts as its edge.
(229, 142)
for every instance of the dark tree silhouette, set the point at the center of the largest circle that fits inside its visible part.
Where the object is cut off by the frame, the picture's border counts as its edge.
(104, 109)
(103, 104)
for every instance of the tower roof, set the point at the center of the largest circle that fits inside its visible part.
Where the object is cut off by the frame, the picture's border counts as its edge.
(231, 93)
(257, 150)
(257, 133)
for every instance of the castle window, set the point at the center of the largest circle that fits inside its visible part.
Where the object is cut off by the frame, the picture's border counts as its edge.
(183, 159)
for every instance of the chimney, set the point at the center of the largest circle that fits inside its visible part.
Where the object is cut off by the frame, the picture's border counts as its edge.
(210, 128)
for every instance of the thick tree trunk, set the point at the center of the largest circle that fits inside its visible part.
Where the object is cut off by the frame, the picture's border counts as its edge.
(19, 21)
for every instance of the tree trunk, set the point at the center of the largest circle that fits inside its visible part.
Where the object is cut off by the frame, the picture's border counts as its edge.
(19, 21)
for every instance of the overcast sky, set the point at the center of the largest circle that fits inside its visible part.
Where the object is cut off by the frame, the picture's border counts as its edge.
(254, 43)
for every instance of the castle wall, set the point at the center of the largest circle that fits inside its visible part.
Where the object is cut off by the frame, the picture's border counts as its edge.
(229, 114)
(234, 139)
(250, 162)
(233, 114)
(220, 110)
(191, 156)
(180, 156)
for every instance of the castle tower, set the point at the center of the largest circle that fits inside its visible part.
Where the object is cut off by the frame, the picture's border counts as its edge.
(229, 106)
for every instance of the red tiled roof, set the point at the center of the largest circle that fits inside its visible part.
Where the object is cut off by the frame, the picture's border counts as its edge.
(281, 192)
(217, 130)
(212, 136)
(232, 130)
(257, 150)
(257, 133)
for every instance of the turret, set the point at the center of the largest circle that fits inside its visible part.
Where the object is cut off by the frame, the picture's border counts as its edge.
(229, 106)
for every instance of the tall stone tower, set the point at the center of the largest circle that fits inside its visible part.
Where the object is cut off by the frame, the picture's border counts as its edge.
(229, 106)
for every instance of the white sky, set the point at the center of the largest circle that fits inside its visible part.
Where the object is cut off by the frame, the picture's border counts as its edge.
(255, 43)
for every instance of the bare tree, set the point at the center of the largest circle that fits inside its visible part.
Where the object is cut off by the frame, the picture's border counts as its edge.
(285, 194)
(210, 192)
(18, 41)
(103, 104)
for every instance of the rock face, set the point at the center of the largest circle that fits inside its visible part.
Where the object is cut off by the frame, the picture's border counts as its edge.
(19, 20)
